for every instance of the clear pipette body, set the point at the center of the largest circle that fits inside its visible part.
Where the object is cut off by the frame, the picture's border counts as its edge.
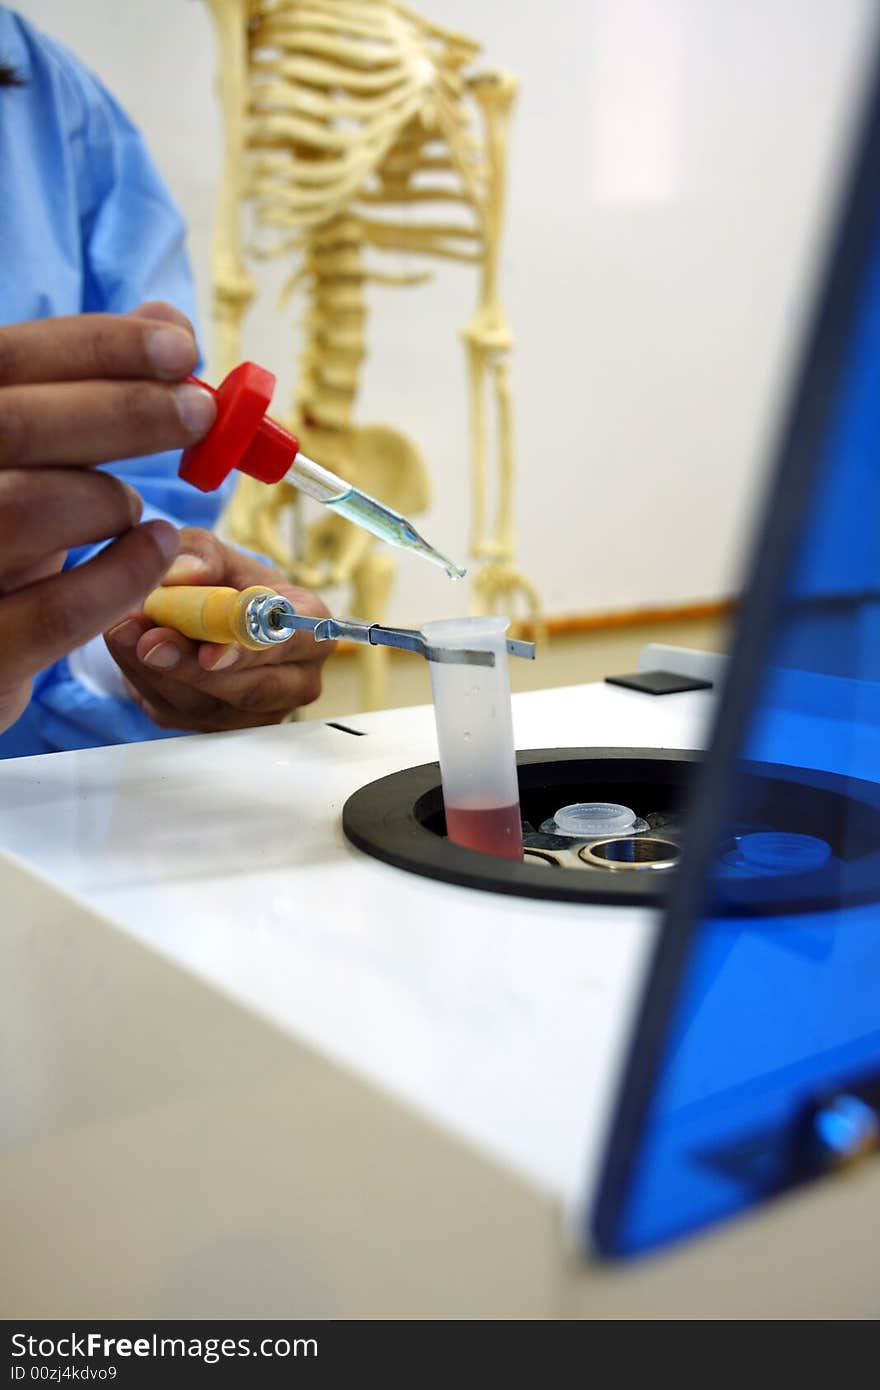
(363, 510)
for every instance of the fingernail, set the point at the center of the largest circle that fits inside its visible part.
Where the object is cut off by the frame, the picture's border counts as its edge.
(135, 504)
(196, 408)
(228, 659)
(171, 351)
(165, 536)
(185, 568)
(125, 634)
(162, 657)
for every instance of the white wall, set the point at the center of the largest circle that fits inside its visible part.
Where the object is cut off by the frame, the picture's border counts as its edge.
(671, 167)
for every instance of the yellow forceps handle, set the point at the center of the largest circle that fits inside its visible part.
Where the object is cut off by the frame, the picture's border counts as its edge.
(207, 613)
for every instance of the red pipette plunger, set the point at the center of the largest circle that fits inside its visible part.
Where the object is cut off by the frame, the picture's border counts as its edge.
(243, 436)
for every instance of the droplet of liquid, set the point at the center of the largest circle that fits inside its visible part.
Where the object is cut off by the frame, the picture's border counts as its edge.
(454, 572)
(467, 734)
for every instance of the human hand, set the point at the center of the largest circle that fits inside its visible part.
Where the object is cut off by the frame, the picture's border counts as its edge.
(203, 686)
(76, 392)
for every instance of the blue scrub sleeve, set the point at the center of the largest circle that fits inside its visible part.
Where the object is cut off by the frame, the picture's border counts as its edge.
(133, 241)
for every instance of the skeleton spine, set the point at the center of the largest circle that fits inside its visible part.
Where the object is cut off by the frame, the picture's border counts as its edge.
(329, 371)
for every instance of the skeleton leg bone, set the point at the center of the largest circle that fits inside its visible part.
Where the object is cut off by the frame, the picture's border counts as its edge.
(373, 581)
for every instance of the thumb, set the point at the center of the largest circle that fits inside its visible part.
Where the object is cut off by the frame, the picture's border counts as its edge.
(201, 559)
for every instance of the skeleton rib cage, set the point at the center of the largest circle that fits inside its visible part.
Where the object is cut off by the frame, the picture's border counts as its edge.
(348, 123)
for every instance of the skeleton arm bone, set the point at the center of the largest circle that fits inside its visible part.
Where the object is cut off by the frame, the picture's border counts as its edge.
(487, 335)
(233, 287)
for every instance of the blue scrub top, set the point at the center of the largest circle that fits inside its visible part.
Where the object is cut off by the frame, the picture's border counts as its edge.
(86, 224)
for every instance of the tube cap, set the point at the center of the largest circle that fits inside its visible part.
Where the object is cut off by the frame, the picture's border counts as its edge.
(587, 819)
(784, 853)
(242, 436)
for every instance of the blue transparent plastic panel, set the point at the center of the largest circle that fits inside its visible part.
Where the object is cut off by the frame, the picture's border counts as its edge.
(781, 1002)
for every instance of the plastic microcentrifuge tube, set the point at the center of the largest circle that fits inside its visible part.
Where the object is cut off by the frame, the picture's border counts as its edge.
(475, 738)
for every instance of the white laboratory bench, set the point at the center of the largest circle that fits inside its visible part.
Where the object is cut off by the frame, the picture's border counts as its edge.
(248, 1071)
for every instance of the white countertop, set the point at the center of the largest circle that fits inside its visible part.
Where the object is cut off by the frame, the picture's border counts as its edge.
(499, 1018)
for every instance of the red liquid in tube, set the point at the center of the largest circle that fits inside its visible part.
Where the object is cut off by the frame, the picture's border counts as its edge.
(494, 830)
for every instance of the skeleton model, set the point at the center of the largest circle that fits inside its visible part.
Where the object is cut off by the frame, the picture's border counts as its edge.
(344, 119)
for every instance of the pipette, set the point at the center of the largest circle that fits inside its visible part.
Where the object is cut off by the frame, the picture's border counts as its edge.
(259, 617)
(244, 437)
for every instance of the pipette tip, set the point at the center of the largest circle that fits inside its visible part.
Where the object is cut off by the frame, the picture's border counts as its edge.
(428, 552)
(421, 547)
